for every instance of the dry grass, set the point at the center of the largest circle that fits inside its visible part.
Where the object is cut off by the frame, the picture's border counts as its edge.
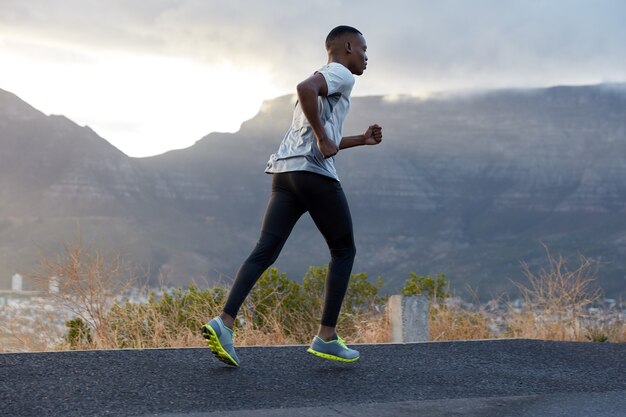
(555, 306)
(280, 312)
(152, 325)
(556, 301)
(456, 323)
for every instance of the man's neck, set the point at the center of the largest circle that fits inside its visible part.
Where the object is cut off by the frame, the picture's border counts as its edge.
(339, 60)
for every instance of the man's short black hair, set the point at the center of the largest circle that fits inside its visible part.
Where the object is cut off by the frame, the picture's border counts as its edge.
(339, 31)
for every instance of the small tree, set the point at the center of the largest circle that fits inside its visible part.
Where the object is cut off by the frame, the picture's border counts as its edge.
(86, 282)
(555, 300)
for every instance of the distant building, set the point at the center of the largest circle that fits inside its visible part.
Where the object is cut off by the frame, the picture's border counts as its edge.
(17, 291)
(53, 285)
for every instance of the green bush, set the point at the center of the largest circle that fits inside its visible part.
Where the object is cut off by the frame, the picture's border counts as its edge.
(275, 297)
(78, 333)
(434, 288)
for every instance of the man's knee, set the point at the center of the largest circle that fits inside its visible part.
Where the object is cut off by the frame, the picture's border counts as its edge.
(343, 247)
(343, 254)
(267, 249)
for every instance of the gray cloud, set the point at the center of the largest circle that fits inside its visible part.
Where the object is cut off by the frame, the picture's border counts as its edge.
(413, 45)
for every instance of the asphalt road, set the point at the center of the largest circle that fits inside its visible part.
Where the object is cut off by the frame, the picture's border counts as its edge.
(474, 378)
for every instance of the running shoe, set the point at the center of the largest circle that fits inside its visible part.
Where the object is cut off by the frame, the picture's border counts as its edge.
(220, 340)
(335, 350)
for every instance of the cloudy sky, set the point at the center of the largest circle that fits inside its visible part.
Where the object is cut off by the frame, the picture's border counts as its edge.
(155, 75)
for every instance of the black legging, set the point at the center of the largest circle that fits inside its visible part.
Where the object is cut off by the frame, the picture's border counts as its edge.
(293, 194)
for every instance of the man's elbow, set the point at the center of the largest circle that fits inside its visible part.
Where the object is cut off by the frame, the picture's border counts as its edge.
(305, 88)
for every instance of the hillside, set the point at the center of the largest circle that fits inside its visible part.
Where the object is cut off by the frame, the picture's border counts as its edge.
(468, 185)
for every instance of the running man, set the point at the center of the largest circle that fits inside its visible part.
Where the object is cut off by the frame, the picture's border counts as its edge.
(305, 180)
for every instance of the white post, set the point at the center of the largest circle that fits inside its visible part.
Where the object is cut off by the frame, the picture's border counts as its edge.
(16, 282)
(409, 318)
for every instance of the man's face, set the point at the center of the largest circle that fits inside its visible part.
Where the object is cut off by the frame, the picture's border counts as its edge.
(358, 56)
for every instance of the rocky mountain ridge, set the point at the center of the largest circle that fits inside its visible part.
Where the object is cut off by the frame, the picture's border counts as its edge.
(468, 185)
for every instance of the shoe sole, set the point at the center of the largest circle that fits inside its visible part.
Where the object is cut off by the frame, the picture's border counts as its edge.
(331, 357)
(216, 347)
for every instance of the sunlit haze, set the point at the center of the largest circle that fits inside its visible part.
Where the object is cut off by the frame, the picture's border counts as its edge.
(151, 76)
(142, 104)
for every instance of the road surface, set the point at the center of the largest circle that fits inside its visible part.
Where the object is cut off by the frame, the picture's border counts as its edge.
(470, 378)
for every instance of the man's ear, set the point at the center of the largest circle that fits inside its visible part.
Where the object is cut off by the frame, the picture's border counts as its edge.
(348, 47)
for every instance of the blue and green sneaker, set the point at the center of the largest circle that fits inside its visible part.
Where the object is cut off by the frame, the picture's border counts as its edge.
(335, 350)
(220, 340)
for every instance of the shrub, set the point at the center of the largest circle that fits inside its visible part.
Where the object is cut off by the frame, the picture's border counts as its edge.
(277, 311)
(170, 319)
(282, 311)
(555, 301)
(78, 333)
(435, 289)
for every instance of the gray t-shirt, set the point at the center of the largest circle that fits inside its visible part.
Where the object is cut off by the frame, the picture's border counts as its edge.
(298, 151)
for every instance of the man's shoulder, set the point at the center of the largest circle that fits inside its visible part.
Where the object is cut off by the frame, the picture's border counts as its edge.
(338, 78)
(336, 67)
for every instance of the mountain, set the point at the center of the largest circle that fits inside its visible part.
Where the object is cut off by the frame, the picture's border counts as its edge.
(464, 184)
(60, 180)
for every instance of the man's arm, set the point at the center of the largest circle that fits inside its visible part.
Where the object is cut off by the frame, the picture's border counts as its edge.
(372, 136)
(308, 92)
